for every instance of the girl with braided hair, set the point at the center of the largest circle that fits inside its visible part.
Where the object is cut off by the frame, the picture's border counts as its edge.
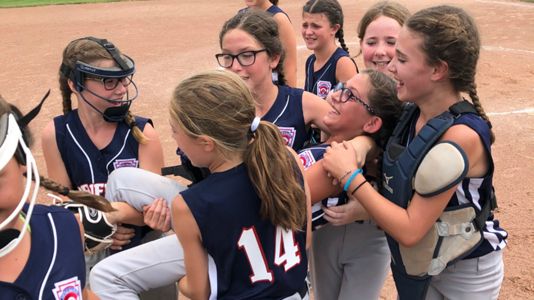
(437, 198)
(322, 23)
(84, 145)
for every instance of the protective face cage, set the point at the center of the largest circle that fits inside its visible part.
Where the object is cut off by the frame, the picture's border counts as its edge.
(126, 68)
(12, 143)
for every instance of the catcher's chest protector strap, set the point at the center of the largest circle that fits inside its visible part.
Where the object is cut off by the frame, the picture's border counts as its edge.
(400, 162)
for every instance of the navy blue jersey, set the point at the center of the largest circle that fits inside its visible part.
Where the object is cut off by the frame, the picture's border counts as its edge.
(287, 114)
(320, 82)
(87, 166)
(56, 267)
(308, 157)
(250, 258)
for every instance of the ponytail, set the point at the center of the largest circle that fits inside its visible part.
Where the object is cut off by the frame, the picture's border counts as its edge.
(66, 93)
(136, 131)
(85, 198)
(275, 176)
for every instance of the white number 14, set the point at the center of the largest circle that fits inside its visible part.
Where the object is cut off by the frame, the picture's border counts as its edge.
(286, 252)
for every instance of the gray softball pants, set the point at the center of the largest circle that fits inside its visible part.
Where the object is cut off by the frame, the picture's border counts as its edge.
(155, 264)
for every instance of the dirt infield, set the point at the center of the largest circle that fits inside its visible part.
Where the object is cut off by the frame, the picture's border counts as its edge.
(171, 40)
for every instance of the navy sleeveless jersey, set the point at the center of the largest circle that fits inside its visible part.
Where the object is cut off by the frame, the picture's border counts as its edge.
(287, 114)
(245, 262)
(56, 265)
(320, 82)
(87, 166)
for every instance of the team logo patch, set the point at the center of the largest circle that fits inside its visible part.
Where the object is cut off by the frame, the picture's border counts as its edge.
(323, 88)
(307, 159)
(69, 289)
(288, 134)
(122, 163)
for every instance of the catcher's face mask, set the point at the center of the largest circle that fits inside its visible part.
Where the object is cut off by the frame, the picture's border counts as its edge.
(110, 78)
(12, 144)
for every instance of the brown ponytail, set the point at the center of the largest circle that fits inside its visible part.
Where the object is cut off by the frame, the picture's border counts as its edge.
(218, 104)
(94, 201)
(273, 171)
(136, 131)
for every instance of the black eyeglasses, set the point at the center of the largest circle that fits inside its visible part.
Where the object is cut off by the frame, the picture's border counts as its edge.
(110, 83)
(346, 95)
(245, 58)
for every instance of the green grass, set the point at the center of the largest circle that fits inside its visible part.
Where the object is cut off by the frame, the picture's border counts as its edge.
(23, 3)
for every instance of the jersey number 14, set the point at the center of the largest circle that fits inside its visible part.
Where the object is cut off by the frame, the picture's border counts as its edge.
(286, 252)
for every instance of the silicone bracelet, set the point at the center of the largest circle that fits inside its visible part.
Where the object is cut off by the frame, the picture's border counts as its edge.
(352, 176)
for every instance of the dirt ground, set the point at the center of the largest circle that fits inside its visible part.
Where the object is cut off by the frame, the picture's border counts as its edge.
(171, 40)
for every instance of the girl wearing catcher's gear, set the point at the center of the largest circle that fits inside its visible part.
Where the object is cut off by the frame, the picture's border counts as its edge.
(437, 197)
(366, 105)
(84, 145)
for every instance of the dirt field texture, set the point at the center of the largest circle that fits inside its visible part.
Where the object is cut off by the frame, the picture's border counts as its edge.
(170, 40)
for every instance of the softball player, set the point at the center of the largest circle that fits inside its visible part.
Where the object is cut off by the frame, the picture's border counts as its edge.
(365, 105)
(322, 22)
(41, 247)
(291, 109)
(231, 224)
(287, 37)
(458, 256)
(84, 145)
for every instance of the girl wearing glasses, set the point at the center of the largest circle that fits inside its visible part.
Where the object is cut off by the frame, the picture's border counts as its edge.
(366, 105)
(437, 199)
(251, 48)
(287, 37)
(82, 146)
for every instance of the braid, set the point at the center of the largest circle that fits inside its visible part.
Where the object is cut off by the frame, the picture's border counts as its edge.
(65, 94)
(85, 198)
(136, 131)
(340, 37)
(472, 90)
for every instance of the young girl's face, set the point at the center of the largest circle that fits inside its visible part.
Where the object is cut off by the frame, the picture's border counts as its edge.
(191, 146)
(378, 43)
(317, 31)
(12, 185)
(348, 118)
(96, 85)
(237, 41)
(410, 68)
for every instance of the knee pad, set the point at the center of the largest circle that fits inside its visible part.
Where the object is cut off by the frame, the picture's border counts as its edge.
(97, 229)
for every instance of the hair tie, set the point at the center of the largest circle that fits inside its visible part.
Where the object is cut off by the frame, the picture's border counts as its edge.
(255, 124)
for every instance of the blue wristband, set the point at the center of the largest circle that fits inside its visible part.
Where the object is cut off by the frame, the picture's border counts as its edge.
(352, 176)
